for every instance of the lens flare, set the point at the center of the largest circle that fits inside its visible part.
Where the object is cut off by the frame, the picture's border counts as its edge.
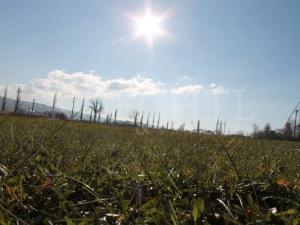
(149, 26)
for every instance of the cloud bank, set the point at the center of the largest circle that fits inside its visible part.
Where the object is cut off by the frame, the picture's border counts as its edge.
(81, 83)
(215, 89)
(188, 89)
(90, 85)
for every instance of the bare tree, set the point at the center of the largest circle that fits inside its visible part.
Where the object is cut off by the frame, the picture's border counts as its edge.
(255, 131)
(32, 106)
(91, 115)
(100, 110)
(220, 131)
(116, 114)
(217, 126)
(267, 129)
(136, 118)
(73, 104)
(95, 105)
(99, 117)
(181, 127)
(141, 121)
(158, 120)
(18, 100)
(172, 125)
(82, 109)
(148, 118)
(168, 125)
(288, 131)
(4, 99)
(153, 120)
(54, 104)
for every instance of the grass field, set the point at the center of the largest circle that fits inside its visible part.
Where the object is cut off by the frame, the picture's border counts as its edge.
(60, 172)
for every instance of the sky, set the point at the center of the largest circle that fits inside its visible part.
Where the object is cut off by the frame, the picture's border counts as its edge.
(233, 60)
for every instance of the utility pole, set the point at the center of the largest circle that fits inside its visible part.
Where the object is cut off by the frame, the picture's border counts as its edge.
(198, 127)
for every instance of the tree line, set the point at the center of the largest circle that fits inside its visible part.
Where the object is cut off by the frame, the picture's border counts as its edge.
(95, 107)
(291, 131)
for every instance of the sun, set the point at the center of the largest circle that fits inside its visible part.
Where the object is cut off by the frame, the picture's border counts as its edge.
(149, 26)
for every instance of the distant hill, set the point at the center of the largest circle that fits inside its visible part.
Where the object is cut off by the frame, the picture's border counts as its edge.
(43, 109)
(39, 108)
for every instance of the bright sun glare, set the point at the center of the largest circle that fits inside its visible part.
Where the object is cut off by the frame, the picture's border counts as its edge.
(149, 26)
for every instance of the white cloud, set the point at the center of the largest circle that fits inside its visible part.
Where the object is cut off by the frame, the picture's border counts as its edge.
(183, 78)
(89, 85)
(197, 88)
(215, 89)
(212, 85)
(188, 89)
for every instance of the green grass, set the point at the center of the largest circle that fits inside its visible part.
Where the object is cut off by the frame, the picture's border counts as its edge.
(58, 172)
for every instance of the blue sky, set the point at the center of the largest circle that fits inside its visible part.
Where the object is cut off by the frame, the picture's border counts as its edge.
(237, 60)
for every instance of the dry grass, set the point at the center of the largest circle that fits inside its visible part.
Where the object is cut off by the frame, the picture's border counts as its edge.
(60, 172)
